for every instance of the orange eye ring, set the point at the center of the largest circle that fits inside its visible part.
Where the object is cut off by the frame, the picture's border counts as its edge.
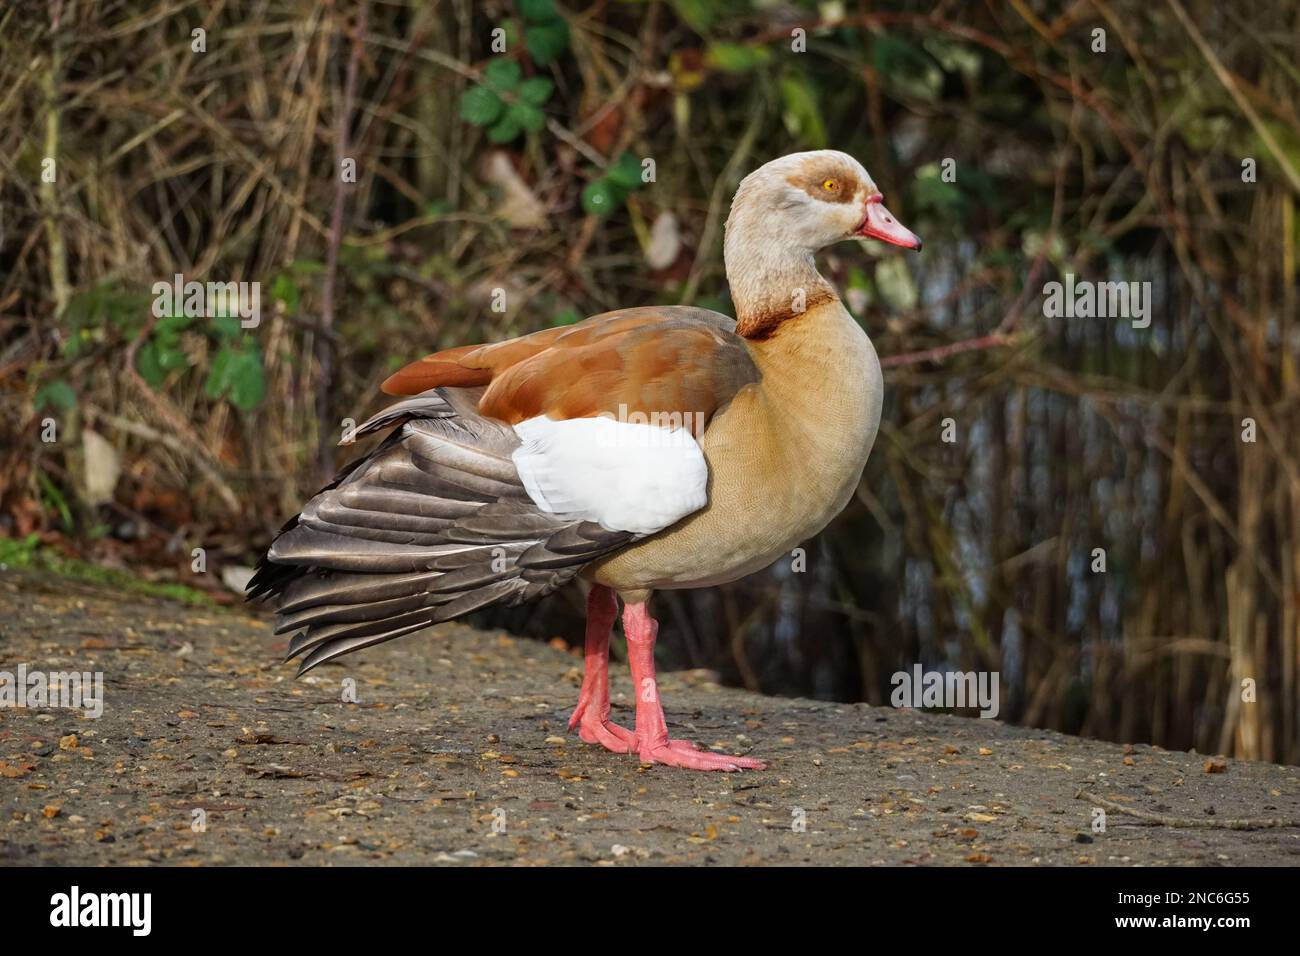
(830, 185)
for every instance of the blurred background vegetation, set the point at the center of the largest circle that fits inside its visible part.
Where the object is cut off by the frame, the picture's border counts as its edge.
(477, 171)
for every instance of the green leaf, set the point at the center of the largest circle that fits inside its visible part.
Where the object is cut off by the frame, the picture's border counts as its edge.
(506, 129)
(57, 393)
(75, 341)
(226, 326)
(536, 90)
(626, 173)
(480, 106)
(247, 383)
(170, 325)
(546, 41)
(802, 117)
(698, 14)
(285, 291)
(218, 379)
(54, 499)
(736, 57)
(150, 369)
(538, 11)
(171, 359)
(566, 317)
(600, 197)
(528, 117)
(502, 75)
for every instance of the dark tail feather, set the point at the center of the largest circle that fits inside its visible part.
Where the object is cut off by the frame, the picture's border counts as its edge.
(432, 524)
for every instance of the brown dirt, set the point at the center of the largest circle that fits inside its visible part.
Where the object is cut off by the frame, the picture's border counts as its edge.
(458, 730)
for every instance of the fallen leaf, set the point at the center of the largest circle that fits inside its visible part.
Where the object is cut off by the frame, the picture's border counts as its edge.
(519, 205)
(665, 242)
(102, 466)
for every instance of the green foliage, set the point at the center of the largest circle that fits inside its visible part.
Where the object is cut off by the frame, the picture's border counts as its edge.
(22, 554)
(502, 75)
(285, 291)
(506, 104)
(907, 68)
(802, 116)
(546, 34)
(536, 90)
(56, 394)
(480, 106)
(546, 41)
(18, 553)
(698, 14)
(736, 57)
(610, 190)
(52, 499)
(236, 374)
(105, 306)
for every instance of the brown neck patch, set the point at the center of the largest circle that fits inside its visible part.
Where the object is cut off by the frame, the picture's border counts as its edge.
(763, 323)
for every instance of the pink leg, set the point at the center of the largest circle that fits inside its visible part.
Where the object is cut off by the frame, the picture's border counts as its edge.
(591, 716)
(652, 741)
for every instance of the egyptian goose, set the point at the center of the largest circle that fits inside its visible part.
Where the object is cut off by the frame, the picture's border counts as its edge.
(647, 448)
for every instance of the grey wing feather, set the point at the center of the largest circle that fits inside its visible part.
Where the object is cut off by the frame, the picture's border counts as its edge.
(432, 524)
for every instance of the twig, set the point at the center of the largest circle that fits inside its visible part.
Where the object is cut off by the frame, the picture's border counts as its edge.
(324, 343)
(1202, 823)
(561, 133)
(49, 189)
(941, 352)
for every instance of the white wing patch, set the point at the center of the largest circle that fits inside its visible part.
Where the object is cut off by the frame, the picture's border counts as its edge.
(622, 475)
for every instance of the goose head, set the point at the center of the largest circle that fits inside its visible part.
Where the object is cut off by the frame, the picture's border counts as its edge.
(811, 200)
(786, 210)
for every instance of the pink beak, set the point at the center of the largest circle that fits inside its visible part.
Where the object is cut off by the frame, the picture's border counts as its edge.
(878, 223)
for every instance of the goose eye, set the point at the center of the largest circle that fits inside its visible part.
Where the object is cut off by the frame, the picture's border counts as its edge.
(830, 185)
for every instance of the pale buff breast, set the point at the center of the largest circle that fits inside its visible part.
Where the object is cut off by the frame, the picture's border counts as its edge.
(784, 458)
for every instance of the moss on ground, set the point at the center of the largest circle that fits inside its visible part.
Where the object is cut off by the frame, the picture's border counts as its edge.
(23, 554)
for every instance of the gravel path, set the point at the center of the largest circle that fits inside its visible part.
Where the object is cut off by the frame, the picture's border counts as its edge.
(455, 751)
